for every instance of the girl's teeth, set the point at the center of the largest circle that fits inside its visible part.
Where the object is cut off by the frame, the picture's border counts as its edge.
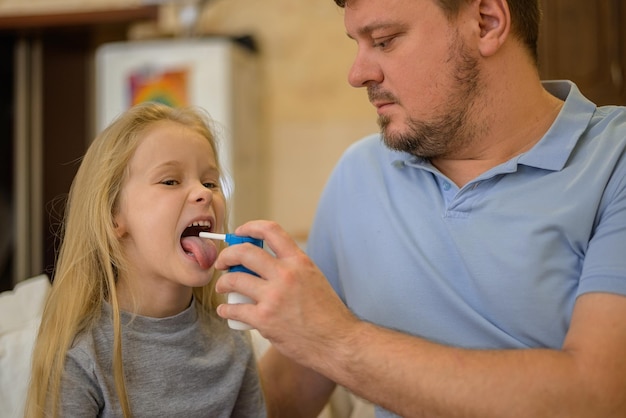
(203, 223)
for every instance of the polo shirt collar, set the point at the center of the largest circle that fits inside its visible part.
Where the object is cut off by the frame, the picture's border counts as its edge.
(554, 149)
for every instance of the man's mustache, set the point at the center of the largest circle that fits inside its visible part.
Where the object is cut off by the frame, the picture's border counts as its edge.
(375, 93)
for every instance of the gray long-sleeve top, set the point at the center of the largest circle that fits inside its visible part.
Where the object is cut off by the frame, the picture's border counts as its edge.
(187, 366)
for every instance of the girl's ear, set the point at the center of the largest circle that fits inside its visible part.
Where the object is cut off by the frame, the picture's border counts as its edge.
(119, 225)
(495, 25)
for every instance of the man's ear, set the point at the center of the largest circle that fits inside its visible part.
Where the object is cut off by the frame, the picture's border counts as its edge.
(495, 25)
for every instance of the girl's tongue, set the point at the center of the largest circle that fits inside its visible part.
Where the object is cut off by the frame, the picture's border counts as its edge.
(204, 251)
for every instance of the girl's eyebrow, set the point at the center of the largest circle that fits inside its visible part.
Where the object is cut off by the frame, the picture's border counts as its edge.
(172, 163)
(166, 165)
(211, 168)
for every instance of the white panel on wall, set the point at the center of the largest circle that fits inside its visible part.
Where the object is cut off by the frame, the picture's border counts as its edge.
(214, 73)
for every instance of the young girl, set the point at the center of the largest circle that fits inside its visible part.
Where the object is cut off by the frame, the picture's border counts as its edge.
(130, 327)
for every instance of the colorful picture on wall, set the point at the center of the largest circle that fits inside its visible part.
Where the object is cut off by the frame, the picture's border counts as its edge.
(167, 86)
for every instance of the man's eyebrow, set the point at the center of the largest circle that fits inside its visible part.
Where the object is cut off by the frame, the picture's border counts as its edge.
(368, 29)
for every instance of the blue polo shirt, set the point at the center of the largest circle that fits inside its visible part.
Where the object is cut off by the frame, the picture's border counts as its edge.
(497, 263)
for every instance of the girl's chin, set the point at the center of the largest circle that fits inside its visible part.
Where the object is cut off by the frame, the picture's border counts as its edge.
(200, 279)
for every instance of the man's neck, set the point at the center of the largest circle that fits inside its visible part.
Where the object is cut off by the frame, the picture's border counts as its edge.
(513, 120)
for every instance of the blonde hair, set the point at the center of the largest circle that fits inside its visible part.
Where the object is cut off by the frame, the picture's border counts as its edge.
(91, 255)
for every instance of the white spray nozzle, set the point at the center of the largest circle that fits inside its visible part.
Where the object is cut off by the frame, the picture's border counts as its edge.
(212, 235)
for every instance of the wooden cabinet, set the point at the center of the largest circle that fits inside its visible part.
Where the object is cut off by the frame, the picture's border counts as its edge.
(46, 122)
(585, 41)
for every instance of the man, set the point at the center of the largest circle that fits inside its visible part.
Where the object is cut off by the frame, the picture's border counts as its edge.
(476, 257)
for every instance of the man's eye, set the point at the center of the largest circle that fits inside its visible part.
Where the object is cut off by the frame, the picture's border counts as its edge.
(383, 43)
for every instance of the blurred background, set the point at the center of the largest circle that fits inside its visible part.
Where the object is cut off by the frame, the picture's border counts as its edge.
(273, 74)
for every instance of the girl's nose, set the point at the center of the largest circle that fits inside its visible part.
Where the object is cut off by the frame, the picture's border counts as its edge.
(201, 194)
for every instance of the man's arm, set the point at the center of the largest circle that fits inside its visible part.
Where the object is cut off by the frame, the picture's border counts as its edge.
(416, 378)
(292, 390)
(300, 314)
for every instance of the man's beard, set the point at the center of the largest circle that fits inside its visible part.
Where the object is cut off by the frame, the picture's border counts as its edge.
(452, 129)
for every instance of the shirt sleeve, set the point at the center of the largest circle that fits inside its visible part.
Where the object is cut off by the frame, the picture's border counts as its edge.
(250, 401)
(80, 395)
(604, 268)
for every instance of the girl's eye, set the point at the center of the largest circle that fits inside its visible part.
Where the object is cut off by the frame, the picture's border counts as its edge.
(210, 185)
(170, 182)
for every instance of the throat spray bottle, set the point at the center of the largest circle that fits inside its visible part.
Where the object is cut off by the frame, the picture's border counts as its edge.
(233, 297)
